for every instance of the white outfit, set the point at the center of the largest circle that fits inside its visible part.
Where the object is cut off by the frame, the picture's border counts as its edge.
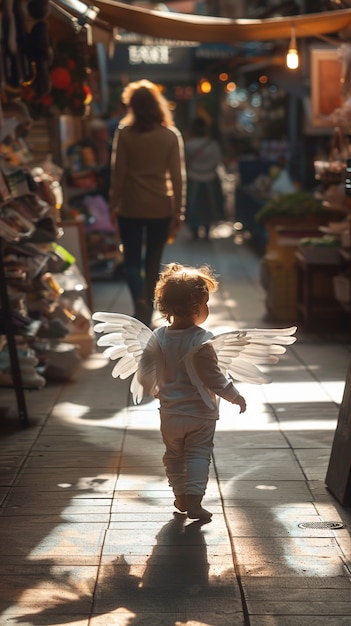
(178, 396)
(187, 422)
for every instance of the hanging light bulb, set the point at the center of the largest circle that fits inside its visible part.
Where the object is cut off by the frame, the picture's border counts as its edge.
(292, 57)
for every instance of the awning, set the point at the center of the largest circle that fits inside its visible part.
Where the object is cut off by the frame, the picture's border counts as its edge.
(202, 29)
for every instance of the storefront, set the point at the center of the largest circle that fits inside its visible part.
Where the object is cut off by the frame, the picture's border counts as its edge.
(30, 248)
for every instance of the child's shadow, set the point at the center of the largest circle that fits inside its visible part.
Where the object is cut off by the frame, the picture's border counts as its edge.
(176, 571)
(178, 562)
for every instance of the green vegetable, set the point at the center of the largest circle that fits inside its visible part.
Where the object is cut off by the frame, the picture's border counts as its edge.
(298, 204)
(327, 241)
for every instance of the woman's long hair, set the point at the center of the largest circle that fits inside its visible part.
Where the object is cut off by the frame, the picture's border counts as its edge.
(147, 107)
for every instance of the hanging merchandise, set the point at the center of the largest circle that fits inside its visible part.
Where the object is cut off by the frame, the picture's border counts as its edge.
(68, 91)
(16, 63)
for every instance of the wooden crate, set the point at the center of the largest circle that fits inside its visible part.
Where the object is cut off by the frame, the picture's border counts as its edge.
(281, 287)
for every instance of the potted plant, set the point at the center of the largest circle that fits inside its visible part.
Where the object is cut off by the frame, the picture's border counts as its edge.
(290, 217)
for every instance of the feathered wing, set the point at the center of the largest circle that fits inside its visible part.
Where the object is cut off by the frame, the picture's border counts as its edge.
(126, 339)
(240, 352)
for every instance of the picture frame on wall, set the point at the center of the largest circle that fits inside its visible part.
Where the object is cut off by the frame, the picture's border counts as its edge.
(326, 86)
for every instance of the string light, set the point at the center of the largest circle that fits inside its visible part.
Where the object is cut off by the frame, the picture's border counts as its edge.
(292, 57)
(204, 86)
(231, 86)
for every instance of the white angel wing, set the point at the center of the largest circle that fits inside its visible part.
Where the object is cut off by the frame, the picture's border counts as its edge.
(240, 352)
(125, 339)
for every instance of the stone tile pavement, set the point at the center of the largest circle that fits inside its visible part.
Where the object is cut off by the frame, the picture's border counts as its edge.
(88, 533)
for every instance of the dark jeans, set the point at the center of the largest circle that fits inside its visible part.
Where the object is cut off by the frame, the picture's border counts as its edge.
(143, 242)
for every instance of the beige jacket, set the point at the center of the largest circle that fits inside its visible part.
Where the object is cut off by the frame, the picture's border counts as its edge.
(148, 176)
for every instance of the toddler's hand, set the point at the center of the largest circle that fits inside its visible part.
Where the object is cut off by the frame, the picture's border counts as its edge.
(241, 402)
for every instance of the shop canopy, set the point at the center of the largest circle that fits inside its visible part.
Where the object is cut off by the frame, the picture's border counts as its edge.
(110, 15)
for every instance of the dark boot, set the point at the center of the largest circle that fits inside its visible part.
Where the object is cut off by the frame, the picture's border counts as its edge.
(195, 510)
(180, 503)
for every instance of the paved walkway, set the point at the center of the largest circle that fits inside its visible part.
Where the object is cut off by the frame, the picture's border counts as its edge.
(88, 534)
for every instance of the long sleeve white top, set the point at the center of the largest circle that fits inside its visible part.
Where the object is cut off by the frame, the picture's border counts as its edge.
(177, 394)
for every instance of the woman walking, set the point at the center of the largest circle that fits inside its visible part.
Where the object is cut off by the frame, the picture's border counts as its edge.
(147, 189)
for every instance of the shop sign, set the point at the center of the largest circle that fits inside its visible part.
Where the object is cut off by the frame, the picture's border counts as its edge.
(134, 59)
(150, 55)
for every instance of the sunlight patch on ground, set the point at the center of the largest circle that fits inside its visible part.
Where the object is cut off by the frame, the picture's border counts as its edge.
(304, 546)
(95, 362)
(267, 422)
(122, 616)
(100, 483)
(70, 412)
(305, 392)
(192, 623)
(138, 482)
(222, 231)
(267, 425)
(236, 424)
(304, 424)
(266, 487)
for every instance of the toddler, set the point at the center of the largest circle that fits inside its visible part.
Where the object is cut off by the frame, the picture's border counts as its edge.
(187, 422)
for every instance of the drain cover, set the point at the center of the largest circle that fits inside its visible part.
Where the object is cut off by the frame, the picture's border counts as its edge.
(319, 525)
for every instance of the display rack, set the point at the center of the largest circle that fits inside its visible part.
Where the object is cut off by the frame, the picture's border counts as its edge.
(11, 342)
(44, 305)
(9, 125)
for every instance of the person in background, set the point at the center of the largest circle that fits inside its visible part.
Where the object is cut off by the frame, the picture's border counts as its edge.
(147, 188)
(205, 202)
(282, 182)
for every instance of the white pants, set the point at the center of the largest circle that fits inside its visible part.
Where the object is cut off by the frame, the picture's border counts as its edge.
(189, 445)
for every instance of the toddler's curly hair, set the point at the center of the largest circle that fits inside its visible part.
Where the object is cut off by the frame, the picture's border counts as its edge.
(181, 289)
